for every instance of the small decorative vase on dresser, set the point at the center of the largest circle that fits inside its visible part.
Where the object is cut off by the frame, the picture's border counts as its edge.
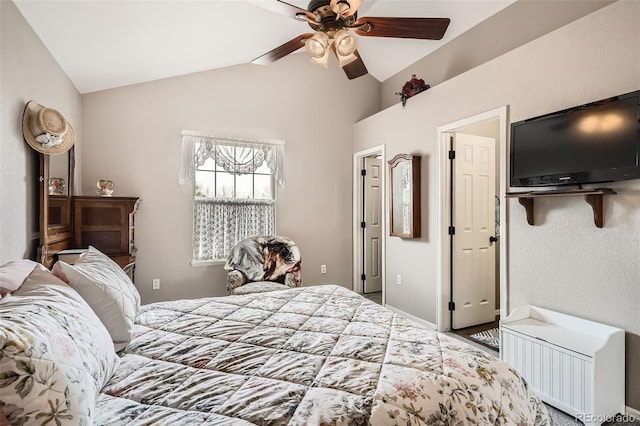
(107, 223)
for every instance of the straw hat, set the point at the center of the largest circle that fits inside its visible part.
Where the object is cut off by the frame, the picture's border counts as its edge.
(46, 130)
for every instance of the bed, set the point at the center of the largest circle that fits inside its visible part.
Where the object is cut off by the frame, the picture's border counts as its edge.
(318, 355)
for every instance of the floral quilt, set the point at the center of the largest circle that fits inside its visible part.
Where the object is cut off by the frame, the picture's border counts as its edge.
(319, 355)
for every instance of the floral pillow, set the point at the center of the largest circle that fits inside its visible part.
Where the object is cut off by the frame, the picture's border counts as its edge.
(55, 354)
(107, 289)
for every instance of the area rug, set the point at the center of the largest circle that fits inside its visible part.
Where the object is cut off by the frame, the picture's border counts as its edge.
(489, 337)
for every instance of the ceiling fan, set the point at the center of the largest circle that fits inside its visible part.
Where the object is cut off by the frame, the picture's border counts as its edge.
(333, 21)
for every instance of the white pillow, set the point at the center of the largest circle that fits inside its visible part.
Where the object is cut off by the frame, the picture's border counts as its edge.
(13, 274)
(57, 354)
(107, 289)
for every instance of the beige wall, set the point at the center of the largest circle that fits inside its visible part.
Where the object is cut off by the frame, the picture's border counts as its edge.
(28, 72)
(132, 136)
(515, 25)
(565, 263)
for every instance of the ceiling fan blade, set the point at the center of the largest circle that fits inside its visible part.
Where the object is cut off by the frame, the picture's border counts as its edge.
(284, 8)
(282, 50)
(353, 69)
(356, 68)
(420, 28)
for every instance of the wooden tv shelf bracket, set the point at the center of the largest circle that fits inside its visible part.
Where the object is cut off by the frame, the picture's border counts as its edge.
(593, 197)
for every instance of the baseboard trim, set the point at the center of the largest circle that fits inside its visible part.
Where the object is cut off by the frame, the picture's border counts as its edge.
(414, 318)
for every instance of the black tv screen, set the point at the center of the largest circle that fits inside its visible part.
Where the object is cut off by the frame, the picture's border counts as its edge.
(591, 143)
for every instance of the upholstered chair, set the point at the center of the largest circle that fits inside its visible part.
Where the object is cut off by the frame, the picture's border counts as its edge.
(263, 263)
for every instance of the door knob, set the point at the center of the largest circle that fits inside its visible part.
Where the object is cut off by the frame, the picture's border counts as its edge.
(493, 239)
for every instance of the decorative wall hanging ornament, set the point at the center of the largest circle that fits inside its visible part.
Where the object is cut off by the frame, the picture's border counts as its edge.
(412, 88)
(46, 130)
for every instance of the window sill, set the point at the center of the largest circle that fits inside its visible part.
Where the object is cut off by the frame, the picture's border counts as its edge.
(215, 262)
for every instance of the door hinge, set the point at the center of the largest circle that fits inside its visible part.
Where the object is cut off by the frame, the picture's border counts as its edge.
(363, 277)
(452, 155)
(363, 172)
(452, 230)
(363, 224)
(452, 306)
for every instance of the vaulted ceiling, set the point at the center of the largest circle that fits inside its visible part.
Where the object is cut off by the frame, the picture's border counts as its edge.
(102, 44)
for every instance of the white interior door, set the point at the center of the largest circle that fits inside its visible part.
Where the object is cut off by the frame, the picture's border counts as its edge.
(474, 221)
(372, 254)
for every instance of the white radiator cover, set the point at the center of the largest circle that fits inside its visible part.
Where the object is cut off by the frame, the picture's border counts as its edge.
(573, 364)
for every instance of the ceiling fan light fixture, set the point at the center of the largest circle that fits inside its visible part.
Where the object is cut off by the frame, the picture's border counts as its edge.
(345, 43)
(345, 7)
(316, 45)
(346, 59)
(323, 61)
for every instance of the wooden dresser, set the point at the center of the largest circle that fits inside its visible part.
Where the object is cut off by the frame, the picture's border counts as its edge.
(106, 223)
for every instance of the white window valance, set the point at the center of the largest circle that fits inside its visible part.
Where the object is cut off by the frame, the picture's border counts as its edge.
(222, 150)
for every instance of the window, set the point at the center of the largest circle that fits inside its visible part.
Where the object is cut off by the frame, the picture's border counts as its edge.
(234, 190)
(213, 180)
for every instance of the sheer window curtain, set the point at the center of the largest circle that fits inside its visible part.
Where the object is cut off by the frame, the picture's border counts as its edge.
(218, 224)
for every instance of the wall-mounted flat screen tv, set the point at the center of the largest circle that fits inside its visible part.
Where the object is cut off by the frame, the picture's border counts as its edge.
(592, 143)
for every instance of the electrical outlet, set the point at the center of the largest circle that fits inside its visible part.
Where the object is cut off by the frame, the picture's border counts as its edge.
(155, 284)
(323, 269)
(398, 279)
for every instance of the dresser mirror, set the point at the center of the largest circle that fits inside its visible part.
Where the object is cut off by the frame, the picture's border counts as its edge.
(58, 174)
(55, 204)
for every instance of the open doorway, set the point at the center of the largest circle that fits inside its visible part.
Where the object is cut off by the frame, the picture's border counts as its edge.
(369, 223)
(468, 194)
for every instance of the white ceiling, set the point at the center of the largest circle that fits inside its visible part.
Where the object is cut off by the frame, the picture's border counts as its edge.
(102, 44)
